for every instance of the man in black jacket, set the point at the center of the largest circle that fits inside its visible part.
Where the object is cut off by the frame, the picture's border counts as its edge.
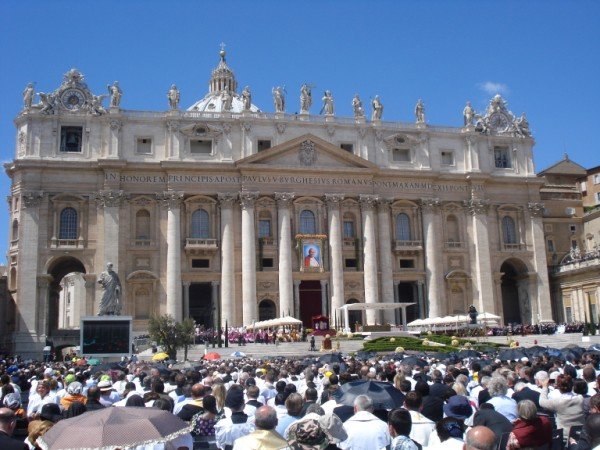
(8, 421)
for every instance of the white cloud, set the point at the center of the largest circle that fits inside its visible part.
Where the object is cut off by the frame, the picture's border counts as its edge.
(493, 88)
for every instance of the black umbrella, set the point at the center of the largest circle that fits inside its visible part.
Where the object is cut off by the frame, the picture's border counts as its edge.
(393, 356)
(551, 351)
(163, 370)
(511, 354)
(383, 395)
(536, 350)
(414, 361)
(331, 358)
(468, 354)
(594, 347)
(482, 362)
(593, 352)
(105, 367)
(361, 354)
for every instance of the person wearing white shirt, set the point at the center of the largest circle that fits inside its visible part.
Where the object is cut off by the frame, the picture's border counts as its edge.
(41, 397)
(422, 427)
(365, 430)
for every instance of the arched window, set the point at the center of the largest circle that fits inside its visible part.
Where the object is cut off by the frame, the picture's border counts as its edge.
(509, 231)
(403, 232)
(266, 310)
(307, 222)
(142, 225)
(452, 228)
(68, 224)
(264, 224)
(15, 230)
(200, 225)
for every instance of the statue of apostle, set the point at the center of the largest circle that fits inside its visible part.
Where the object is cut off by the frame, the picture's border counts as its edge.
(111, 299)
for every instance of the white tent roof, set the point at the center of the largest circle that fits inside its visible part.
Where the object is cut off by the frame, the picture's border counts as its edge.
(365, 306)
(279, 322)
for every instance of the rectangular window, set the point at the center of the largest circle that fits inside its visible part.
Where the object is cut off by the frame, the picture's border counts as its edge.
(348, 147)
(71, 139)
(597, 179)
(200, 263)
(200, 146)
(267, 263)
(574, 244)
(143, 146)
(572, 228)
(350, 263)
(597, 197)
(502, 158)
(264, 228)
(583, 186)
(550, 245)
(348, 229)
(401, 155)
(447, 158)
(407, 263)
(263, 144)
(548, 227)
(568, 314)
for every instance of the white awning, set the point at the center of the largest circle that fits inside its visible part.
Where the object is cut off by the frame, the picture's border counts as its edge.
(366, 306)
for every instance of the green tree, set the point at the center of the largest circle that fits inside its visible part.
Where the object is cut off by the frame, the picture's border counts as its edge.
(170, 335)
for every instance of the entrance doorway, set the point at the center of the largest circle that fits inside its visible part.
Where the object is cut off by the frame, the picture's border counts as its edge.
(354, 316)
(266, 310)
(515, 299)
(66, 295)
(406, 294)
(201, 307)
(310, 301)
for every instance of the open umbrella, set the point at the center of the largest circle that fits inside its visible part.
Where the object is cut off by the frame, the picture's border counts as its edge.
(94, 361)
(212, 356)
(160, 356)
(81, 362)
(112, 428)
(468, 354)
(330, 358)
(238, 354)
(512, 354)
(105, 367)
(414, 361)
(536, 350)
(162, 369)
(383, 395)
(483, 362)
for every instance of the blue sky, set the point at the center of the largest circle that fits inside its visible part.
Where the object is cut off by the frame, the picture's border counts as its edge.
(542, 56)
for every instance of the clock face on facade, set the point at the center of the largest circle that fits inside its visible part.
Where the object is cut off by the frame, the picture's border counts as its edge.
(72, 99)
(499, 122)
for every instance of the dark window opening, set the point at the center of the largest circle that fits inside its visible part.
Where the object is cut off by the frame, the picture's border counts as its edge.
(200, 263)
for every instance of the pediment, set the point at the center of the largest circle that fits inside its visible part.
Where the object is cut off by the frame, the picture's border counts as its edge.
(306, 152)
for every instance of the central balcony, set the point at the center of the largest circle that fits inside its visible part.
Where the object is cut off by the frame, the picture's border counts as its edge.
(408, 247)
(201, 246)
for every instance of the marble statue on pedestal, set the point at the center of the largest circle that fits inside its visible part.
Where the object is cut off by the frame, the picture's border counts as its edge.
(28, 94)
(247, 98)
(173, 96)
(357, 107)
(377, 108)
(279, 99)
(327, 104)
(115, 94)
(305, 98)
(110, 304)
(420, 111)
(468, 114)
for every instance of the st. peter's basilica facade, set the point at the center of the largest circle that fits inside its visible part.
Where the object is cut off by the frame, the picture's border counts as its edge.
(226, 213)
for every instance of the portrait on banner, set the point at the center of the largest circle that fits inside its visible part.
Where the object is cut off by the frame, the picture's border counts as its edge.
(311, 255)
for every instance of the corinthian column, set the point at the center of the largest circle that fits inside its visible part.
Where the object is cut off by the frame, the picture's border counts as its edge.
(335, 245)
(172, 201)
(543, 309)
(367, 206)
(227, 258)
(286, 292)
(433, 263)
(249, 310)
(385, 258)
(483, 262)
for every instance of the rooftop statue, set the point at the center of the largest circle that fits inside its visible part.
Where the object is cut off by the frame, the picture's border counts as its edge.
(468, 115)
(110, 304)
(96, 107)
(28, 94)
(357, 107)
(420, 111)
(247, 98)
(48, 102)
(115, 94)
(173, 96)
(279, 99)
(522, 125)
(227, 99)
(327, 104)
(377, 108)
(305, 98)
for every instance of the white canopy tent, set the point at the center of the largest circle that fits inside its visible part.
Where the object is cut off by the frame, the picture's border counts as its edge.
(377, 306)
(274, 323)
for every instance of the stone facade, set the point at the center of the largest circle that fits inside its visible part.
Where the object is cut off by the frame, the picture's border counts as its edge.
(206, 212)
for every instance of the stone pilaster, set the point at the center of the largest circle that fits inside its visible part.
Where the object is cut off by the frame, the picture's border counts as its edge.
(543, 309)
(433, 261)
(90, 294)
(249, 307)
(43, 305)
(335, 247)
(286, 293)
(367, 206)
(218, 319)
(115, 138)
(385, 258)
(171, 200)
(297, 299)
(483, 286)
(227, 201)
(110, 201)
(27, 261)
(324, 301)
(173, 140)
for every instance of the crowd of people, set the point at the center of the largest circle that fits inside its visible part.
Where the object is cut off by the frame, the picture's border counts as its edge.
(542, 328)
(299, 403)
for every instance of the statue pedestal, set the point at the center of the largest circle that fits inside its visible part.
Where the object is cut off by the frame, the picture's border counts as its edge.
(360, 119)
(174, 113)
(376, 122)
(105, 336)
(114, 110)
(304, 115)
(279, 115)
(421, 125)
(329, 118)
(247, 113)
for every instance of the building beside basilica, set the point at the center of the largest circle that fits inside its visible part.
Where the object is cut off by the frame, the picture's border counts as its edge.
(226, 213)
